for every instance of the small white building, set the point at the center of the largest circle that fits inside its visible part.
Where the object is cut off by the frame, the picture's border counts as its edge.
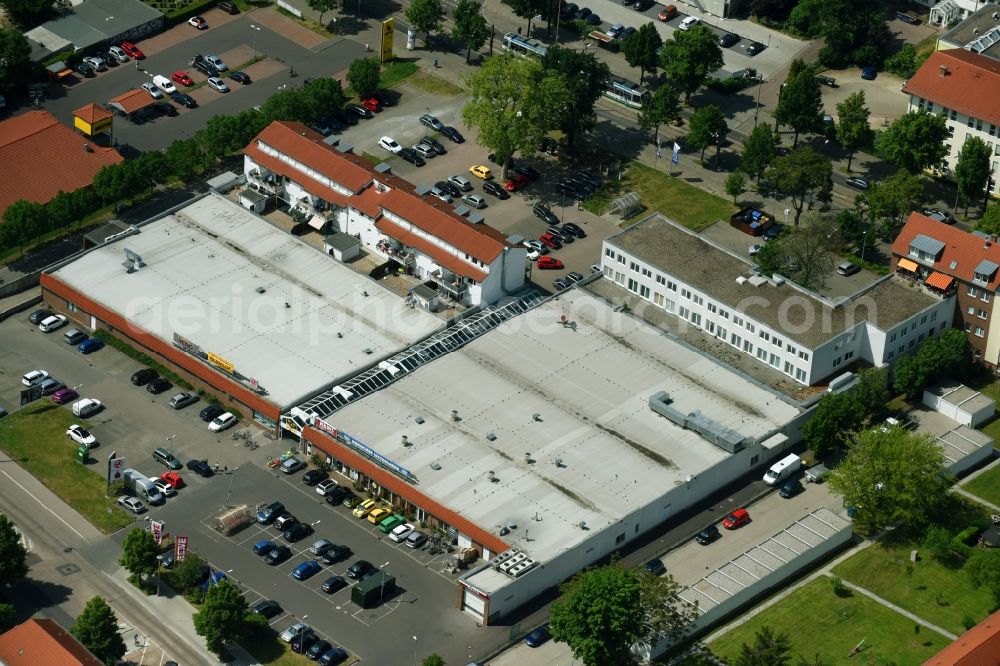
(960, 403)
(446, 247)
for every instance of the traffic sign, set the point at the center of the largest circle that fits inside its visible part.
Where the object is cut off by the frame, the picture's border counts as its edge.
(115, 468)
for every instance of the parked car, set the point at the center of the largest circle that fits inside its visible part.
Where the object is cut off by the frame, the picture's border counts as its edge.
(164, 457)
(314, 476)
(574, 229)
(296, 629)
(276, 556)
(440, 194)
(573, 277)
(198, 22)
(527, 171)
(53, 323)
(427, 120)
(549, 263)
(543, 213)
(63, 396)
(791, 488)
(688, 23)
(133, 50)
(729, 39)
(84, 69)
(737, 518)
(173, 478)
(164, 487)
(848, 268)
(449, 187)
(359, 111)
(461, 182)
(857, 182)
(372, 104)
(434, 144)
(390, 144)
(118, 53)
(222, 421)
(869, 73)
(33, 377)
(270, 513)
(241, 77)
(424, 150)
(453, 134)
(537, 637)
(754, 48)
(267, 607)
(411, 156)
(332, 657)
(158, 385)
(218, 84)
(81, 436)
(200, 467)
(667, 13)
(496, 189)
(184, 100)
(940, 216)
(708, 535)
(515, 182)
(132, 504)
(210, 412)
(165, 109)
(182, 400)
(642, 5)
(297, 532)
(292, 465)
(474, 200)
(560, 233)
(654, 567)
(36, 317)
(96, 63)
(480, 171)
(416, 539)
(318, 648)
(400, 532)
(263, 547)
(50, 386)
(360, 568)
(302, 643)
(560, 283)
(334, 554)
(376, 516)
(334, 583)
(306, 570)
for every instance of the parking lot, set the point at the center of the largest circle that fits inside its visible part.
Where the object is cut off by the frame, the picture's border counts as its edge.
(134, 422)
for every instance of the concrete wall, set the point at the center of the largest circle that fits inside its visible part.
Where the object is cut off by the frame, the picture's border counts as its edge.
(971, 461)
(22, 283)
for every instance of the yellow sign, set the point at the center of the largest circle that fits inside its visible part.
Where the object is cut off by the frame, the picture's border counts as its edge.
(385, 48)
(221, 362)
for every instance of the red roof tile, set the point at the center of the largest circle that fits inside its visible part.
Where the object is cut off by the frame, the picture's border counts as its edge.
(970, 84)
(440, 255)
(43, 641)
(132, 101)
(962, 249)
(91, 113)
(277, 166)
(978, 646)
(367, 202)
(307, 146)
(50, 158)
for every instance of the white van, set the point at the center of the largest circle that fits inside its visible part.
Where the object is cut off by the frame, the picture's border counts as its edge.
(86, 407)
(164, 84)
(782, 469)
(142, 487)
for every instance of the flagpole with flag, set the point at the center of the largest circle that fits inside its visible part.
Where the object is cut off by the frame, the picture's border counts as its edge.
(676, 157)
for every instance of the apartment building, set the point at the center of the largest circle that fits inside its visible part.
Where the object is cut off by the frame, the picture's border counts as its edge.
(805, 336)
(963, 87)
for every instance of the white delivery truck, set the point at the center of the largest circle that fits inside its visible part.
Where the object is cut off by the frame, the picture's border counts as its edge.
(140, 486)
(782, 469)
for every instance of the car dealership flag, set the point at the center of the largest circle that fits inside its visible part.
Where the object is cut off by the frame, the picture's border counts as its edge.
(676, 157)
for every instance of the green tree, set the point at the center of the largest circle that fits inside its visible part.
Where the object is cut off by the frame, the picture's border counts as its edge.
(854, 132)
(736, 184)
(97, 629)
(322, 6)
(13, 564)
(222, 617)
(23, 221)
(583, 76)
(526, 9)
(800, 104)
(904, 63)
(139, 552)
(470, 26)
(513, 102)
(758, 152)
(989, 222)
(767, 649)
(801, 174)
(8, 617)
(854, 31)
(690, 57)
(937, 542)
(810, 249)
(771, 259)
(891, 476)
(914, 142)
(188, 573)
(945, 355)
(775, 10)
(425, 16)
(983, 569)
(892, 199)
(185, 158)
(973, 170)
(707, 127)
(27, 13)
(364, 76)
(661, 108)
(19, 68)
(640, 49)
(433, 660)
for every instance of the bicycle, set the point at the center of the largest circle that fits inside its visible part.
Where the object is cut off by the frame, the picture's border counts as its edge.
(252, 445)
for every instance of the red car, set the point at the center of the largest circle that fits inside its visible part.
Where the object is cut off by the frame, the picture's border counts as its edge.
(550, 241)
(133, 50)
(173, 478)
(667, 13)
(737, 518)
(64, 395)
(372, 104)
(516, 182)
(546, 263)
(182, 78)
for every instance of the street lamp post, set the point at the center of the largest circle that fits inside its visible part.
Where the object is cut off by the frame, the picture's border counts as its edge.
(302, 631)
(229, 492)
(414, 651)
(255, 31)
(170, 439)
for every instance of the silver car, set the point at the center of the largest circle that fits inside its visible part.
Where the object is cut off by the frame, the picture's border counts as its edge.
(474, 200)
(288, 635)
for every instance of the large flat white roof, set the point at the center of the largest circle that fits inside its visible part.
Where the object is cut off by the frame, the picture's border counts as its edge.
(597, 451)
(279, 310)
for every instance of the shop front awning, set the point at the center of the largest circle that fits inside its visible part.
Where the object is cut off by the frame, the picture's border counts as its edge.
(907, 265)
(939, 281)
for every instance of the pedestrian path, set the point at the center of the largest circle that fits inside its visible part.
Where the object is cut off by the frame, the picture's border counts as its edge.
(888, 604)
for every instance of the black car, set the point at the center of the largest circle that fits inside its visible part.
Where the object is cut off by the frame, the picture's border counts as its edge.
(565, 236)
(359, 569)
(581, 13)
(496, 189)
(537, 637)
(583, 184)
(568, 9)
(433, 144)
(322, 126)
(166, 108)
(240, 77)
(334, 583)
(200, 467)
(314, 476)
(708, 535)
(574, 189)
(857, 182)
(184, 100)
(825, 80)
(754, 48)
(448, 187)
(453, 134)
(335, 554)
(302, 643)
(344, 118)
(589, 176)
(317, 649)
(626, 33)
(297, 532)
(548, 145)
(145, 376)
(543, 213)
(270, 513)
(728, 40)
(359, 111)
(84, 69)
(593, 19)
(206, 68)
(210, 412)
(642, 5)
(336, 495)
(38, 316)
(412, 156)
(267, 607)
(528, 172)
(791, 488)
(575, 230)
(278, 555)
(654, 567)
(384, 98)
(158, 385)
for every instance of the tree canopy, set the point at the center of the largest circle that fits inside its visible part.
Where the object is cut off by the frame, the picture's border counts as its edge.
(890, 475)
(914, 142)
(707, 127)
(139, 552)
(854, 131)
(892, 199)
(364, 76)
(322, 6)
(97, 629)
(640, 49)
(425, 16)
(983, 569)
(661, 108)
(27, 13)
(758, 151)
(990, 221)
(583, 76)
(13, 564)
(470, 26)
(839, 415)
(767, 649)
(800, 104)
(937, 357)
(514, 102)
(854, 31)
(810, 250)
(801, 175)
(690, 57)
(973, 170)
(222, 616)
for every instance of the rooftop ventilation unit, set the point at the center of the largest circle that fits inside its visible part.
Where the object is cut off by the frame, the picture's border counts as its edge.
(435, 466)
(709, 429)
(132, 260)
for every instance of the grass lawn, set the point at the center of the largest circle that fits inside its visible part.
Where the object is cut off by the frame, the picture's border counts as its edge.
(986, 485)
(937, 593)
(267, 648)
(393, 73)
(675, 198)
(35, 437)
(818, 622)
(435, 85)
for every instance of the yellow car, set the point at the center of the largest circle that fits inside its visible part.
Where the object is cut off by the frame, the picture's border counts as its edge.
(363, 509)
(378, 515)
(480, 171)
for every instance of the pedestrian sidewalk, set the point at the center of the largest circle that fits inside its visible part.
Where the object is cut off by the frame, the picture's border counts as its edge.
(888, 604)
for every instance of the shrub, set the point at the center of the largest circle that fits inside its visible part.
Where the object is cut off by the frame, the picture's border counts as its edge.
(839, 588)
